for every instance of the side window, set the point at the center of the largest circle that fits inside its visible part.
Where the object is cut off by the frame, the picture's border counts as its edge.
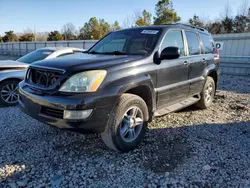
(174, 38)
(193, 43)
(208, 44)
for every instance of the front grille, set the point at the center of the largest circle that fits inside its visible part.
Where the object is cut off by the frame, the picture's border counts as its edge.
(52, 112)
(42, 77)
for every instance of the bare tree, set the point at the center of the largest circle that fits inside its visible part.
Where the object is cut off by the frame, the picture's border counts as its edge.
(244, 8)
(30, 31)
(128, 22)
(227, 11)
(42, 36)
(69, 31)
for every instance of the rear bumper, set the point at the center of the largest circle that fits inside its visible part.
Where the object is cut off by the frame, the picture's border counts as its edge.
(33, 104)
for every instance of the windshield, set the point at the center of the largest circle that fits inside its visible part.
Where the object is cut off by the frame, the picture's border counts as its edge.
(128, 42)
(35, 56)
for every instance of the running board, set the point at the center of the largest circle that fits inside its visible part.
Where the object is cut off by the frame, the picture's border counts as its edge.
(178, 106)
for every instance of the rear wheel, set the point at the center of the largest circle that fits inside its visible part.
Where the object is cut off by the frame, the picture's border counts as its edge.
(9, 92)
(207, 94)
(127, 124)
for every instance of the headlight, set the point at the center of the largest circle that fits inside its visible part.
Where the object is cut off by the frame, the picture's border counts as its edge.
(88, 81)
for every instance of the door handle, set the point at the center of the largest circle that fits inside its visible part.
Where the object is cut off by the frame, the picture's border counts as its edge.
(186, 63)
(204, 60)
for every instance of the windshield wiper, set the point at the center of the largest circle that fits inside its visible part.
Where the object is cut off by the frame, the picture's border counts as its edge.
(115, 53)
(94, 52)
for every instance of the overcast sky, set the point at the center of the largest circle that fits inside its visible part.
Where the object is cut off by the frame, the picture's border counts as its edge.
(47, 15)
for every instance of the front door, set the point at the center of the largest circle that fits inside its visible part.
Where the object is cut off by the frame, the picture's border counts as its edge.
(172, 75)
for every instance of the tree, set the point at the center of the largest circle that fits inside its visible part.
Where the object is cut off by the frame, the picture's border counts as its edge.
(227, 25)
(54, 36)
(115, 26)
(241, 24)
(69, 31)
(128, 22)
(85, 32)
(227, 19)
(42, 36)
(10, 37)
(165, 13)
(104, 27)
(242, 20)
(94, 29)
(195, 21)
(27, 37)
(143, 19)
(214, 28)
(1, 39)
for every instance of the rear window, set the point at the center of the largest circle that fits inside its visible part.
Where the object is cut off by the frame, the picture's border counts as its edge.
(193, 43)
(208, 43)
(34, 56)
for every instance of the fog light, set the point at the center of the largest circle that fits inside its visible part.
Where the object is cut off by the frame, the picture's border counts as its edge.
(76, 114)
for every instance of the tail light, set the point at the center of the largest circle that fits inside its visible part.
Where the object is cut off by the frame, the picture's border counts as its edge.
(217, 57)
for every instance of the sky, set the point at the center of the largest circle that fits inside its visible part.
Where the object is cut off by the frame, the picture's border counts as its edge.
(48, 15)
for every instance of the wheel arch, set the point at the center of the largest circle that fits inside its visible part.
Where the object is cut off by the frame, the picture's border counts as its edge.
(146, 94)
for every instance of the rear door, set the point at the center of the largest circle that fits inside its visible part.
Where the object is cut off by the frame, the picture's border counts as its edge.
(196, 62)
(172, 75)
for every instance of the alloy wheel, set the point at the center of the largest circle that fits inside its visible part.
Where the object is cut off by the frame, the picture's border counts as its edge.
(209, 93)
(131, 124)
(9, 93)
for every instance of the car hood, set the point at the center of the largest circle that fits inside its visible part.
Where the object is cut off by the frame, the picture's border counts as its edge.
(86, 61)
(10, 64)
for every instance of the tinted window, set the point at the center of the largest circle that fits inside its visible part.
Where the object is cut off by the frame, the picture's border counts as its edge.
(174, 38)
(134, 41)
(193, 43)
(208, 44)
(35, 56)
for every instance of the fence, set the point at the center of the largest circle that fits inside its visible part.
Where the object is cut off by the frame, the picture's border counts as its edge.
(22, 48)
(234, 53)
(234, 50)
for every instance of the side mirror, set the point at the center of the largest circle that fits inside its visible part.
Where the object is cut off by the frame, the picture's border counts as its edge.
(170, 52)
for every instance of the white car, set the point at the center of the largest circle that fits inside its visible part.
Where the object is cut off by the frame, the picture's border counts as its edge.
(12, 72)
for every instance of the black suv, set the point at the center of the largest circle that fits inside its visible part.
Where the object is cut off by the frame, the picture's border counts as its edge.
(123, 81)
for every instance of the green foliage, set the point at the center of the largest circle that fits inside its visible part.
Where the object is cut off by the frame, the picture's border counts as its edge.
(54, 36)
(1, 39)
(10, 37)
(95, 29)
(195, 21)
(241, 24)
(116, 26)
(27, 37)
(144, 19)
(227, 25)
(165, 13)
(214, 28)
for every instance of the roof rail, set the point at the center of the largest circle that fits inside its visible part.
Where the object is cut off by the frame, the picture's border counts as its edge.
(192, 26)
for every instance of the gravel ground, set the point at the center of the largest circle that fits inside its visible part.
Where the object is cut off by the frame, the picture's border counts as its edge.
(190, 148)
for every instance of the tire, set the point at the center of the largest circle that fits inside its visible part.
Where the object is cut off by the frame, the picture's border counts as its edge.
(9, 92)
(208, 91)
(118, 134)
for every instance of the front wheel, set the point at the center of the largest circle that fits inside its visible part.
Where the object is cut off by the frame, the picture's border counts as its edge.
(207, 94)
(127, 124)
(9, 92)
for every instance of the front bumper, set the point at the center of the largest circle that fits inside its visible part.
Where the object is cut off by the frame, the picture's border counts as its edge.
(49, 109)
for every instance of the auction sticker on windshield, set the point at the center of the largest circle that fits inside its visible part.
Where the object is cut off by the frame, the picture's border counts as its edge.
(151, 32)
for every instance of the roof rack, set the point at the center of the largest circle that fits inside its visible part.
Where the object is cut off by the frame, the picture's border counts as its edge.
(192, 26)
